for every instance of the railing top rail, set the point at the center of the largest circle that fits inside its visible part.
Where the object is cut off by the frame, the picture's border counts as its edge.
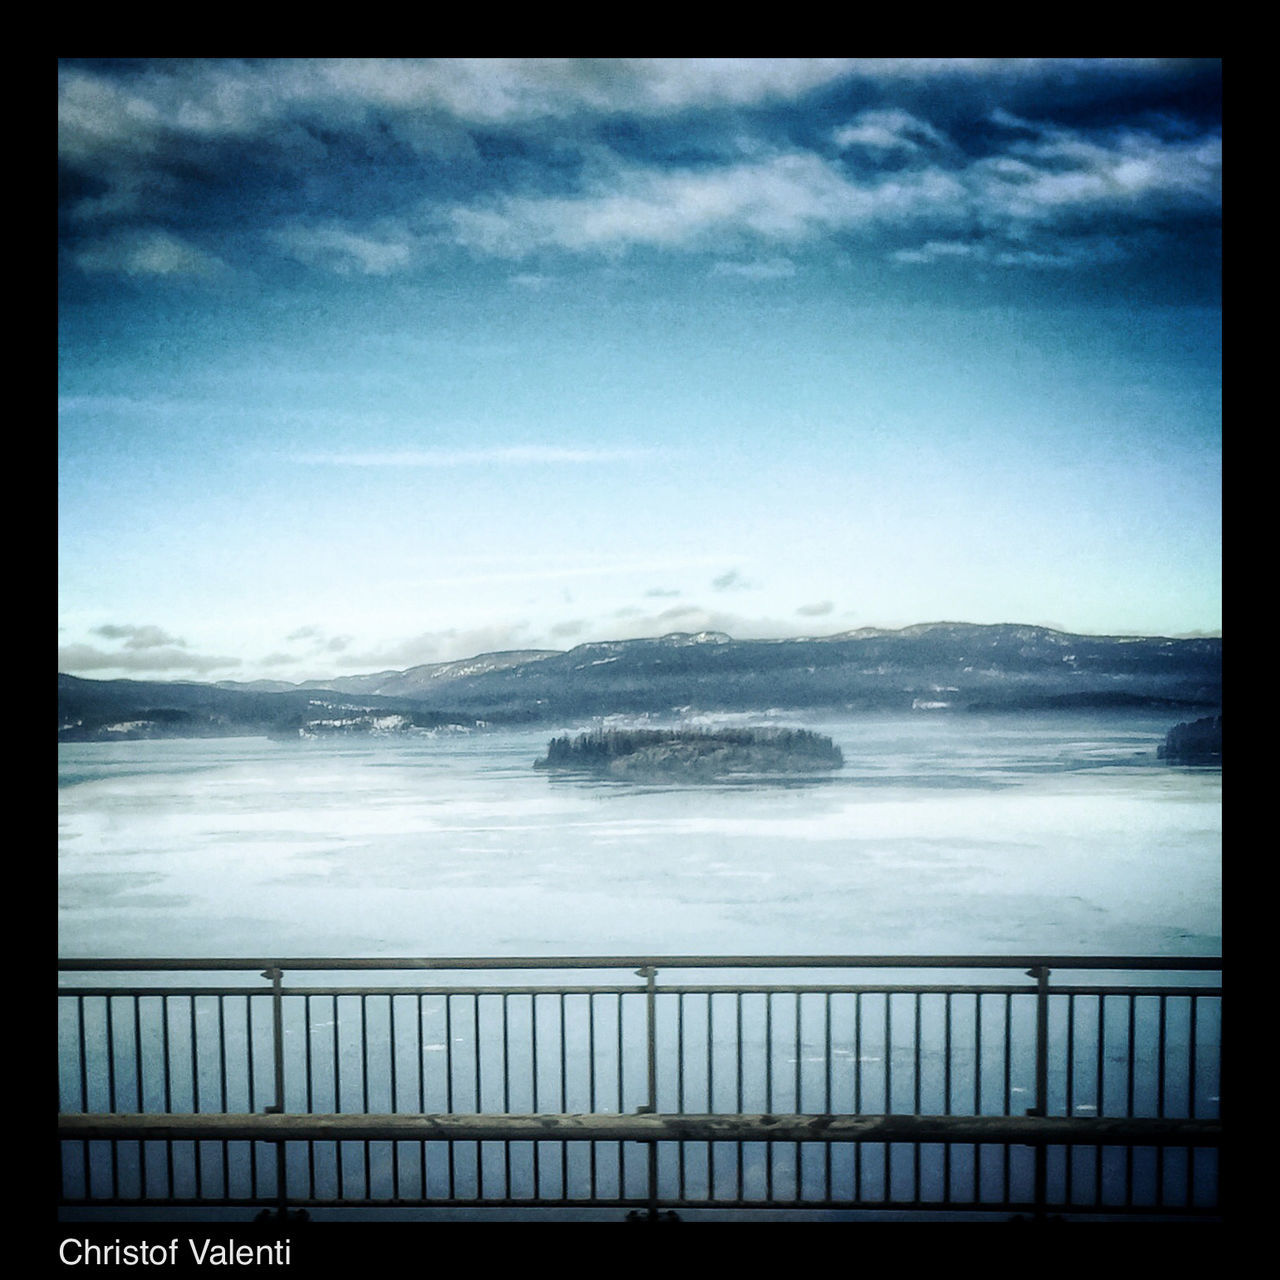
(462, 963)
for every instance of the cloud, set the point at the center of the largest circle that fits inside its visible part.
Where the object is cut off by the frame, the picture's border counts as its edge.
(159, 108)
(690, 618)
(443, 646)
(818, 610)
(1061, 172)
(145, 134)
(279, 659)
(1058, 180)
(146, 252)
(790, 197)
(731, 581)
(889, 130)
(1047, 251)
(938, 250)
(76, 659)
(318, 640)
(345, 252)
(960, 155)
(229, 98)
(146, 650)
(148, 637)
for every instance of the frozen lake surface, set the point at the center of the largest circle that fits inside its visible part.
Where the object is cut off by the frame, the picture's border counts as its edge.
(942, 834)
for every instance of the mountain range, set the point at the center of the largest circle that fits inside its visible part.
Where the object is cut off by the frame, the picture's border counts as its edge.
(941, 666)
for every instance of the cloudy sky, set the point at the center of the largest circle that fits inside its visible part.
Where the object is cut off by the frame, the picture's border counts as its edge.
(369, 363)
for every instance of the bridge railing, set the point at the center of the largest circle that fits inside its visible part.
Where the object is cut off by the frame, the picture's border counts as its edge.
(854, 1083)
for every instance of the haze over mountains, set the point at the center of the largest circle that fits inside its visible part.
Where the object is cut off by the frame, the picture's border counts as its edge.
(931, 667)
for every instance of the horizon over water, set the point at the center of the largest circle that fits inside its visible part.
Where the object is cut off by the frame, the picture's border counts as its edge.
(943, 834)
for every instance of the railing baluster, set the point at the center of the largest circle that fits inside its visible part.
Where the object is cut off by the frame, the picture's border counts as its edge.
(82, 1049)
(826, 1094)
(591, 1087)
(622, 1171)
(475, 1028)
(111, 1092)
(564, 1100)
(1008, 1083)
(307, 1059)
(680, 1149)
(137, 1049)
(977, 1056)
(1130, 1086)
(1192, 1056)
(1161, 1033)
(946, 1093)
(337, 1096)
(768, 1052)
(533, 1054)
(195, 1058)
(422, 1090)
(857, 1091)
(109, 1002)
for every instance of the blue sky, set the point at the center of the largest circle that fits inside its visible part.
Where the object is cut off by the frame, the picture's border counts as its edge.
(370, 363)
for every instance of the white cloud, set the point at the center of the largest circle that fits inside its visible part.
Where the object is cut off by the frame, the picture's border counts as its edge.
(889, 130)
(934, 250)
(146, 252)
(789, 197)
(797, 197)
(375, 253)
(1060, 172)
(442, 646)
(690, 618)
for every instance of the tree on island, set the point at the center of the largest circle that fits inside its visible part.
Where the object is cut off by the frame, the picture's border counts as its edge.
(1199, 742)
(696, 752)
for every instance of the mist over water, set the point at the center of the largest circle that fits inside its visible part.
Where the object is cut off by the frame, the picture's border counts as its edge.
(941, 834)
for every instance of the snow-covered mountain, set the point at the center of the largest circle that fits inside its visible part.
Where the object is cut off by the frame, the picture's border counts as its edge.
(933, 667)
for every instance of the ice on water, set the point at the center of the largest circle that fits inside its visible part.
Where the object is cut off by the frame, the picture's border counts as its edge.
(942, 834)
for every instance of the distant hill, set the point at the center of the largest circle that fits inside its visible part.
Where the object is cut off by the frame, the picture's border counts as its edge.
(933, 667)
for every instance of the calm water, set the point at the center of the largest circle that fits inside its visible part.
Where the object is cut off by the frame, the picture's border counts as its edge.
(941, 835)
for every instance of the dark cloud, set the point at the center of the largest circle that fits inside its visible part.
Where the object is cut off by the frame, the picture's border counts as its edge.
(80, 658)
(184, 169)
(138, 637)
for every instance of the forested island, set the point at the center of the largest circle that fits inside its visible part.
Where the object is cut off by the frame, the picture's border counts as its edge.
(1199, 742)
(692, 753)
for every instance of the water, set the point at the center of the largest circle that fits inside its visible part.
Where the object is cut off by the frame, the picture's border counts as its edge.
(941, 835)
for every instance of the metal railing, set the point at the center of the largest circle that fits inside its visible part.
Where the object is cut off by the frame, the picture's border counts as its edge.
(1025, 1085)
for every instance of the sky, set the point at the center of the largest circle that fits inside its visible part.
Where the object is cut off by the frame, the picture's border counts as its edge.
(368, 363)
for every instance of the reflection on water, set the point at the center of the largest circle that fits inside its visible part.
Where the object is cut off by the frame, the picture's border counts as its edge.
(942, 834)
